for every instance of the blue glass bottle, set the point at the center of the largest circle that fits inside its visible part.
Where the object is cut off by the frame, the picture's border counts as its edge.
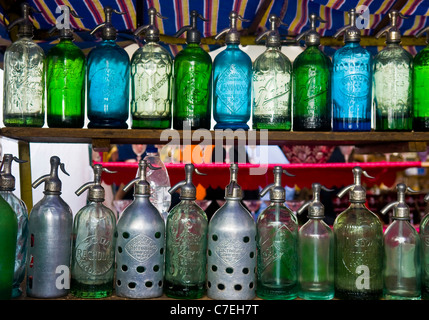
(351, 82)
(108, 72)
(232, 81)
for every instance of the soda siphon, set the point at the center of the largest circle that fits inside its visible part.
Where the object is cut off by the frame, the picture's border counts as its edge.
(392, 81)
(7, 186)
(186, 243)
(312, 83)
(50, 236)
(359, 249)
(277, 245)
(351, 82)
(151, 80)
(402, 252)
(315, 251)
(140, 243)
(93, 250)
(231, 254)
(272, 83)
(421, 86)
(232, 81)
(192, 81)
(108, 72)
(424, 239)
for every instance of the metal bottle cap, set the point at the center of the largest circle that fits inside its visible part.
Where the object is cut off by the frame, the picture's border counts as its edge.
(312, 37)
(52, 182)
(392, 31)
(192, 35)
(187, 188)
(96, 191)
(25, 25)
(108, 30)
(401, 211)
(151, 31)
(357, 192)
(232, 35)
(66, 32)
(277, 191)
(273, 36)
(351, 32)
(141, 186)
(316, 210)
(7, 180)
(233, 190)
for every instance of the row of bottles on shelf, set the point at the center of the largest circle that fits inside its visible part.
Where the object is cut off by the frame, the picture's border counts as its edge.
(314, 93)
(185, 255)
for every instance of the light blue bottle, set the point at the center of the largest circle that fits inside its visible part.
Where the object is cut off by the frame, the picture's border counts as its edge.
(232, 81)
(351, 82)
(108, 72)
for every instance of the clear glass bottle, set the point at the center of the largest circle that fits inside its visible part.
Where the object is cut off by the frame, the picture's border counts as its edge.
(192, 81)
(315, 252)
(421, 86)
(424, 239)
(186, 243)
(151, 80)
(277, 245)
(108, 72)
(359, 249)
(402, 252)
(24, 77)
(93, 250)
(232, 81)
(392, 82)
(272, 83)
(351, 82)
(312, 84)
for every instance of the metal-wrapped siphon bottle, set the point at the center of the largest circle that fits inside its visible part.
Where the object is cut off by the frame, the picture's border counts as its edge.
(402, 252)
(315, 251)
(186, 243)
(231, 254)
(277, 244)
(140, 243)
(50, 234)
(93, 250)
(358, 238)
(7, 186)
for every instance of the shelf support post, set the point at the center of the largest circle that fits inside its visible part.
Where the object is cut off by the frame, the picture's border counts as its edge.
(25, 174)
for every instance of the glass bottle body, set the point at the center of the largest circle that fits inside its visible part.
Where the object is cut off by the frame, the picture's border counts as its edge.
(65, 81)
(192, 85)
(316, 261)
(359, 250)
(277, 243)
(402, 262)
(352, 88)
(420, 90)
(93, 253)
(151, 83)
(108, 71)
(312, 91)
(424, 240)
(272, 91)
(392, 85)
(186, 245)
(232, 88)
(24, 84)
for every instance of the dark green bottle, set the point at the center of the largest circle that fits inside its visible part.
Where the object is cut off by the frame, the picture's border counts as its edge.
(192, 80)
(312, 84)
(421, 87)
(65, 80)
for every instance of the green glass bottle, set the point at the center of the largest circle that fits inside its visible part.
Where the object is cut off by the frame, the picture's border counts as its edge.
(312, 84)
(421, 86)
(8, 234)
(65, 81)
(192, 80)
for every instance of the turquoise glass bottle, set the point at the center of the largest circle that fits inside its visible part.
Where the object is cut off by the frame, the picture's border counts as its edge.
(421, 86)
(65, 81)
(272, 83)
(312, 84)
(232, 81)
(108, 72)
(151, 80)
(192, 81)
(402, 252)
(351, 82)
(392, 81)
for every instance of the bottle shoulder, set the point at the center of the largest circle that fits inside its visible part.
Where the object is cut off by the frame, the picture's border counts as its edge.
(357, 216)
(108, 51)
(30, 46)
(66, 50)
(401, 231)
(394, 54)
(193, 54)
(352, 52)
(232, 55)
(312, 57)
(273, 59)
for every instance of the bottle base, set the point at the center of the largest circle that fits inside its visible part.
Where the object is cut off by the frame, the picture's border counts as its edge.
(108, 125)
(24, 121)
(421, 124)
(353, 295)
(351, 126)
(151, 123)
(384, 124)
(232, 126)
(179, 291)
(272, 293)
(316, 295)
(89, 291)
(65, 122)
(192, 124)
(299, 125)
